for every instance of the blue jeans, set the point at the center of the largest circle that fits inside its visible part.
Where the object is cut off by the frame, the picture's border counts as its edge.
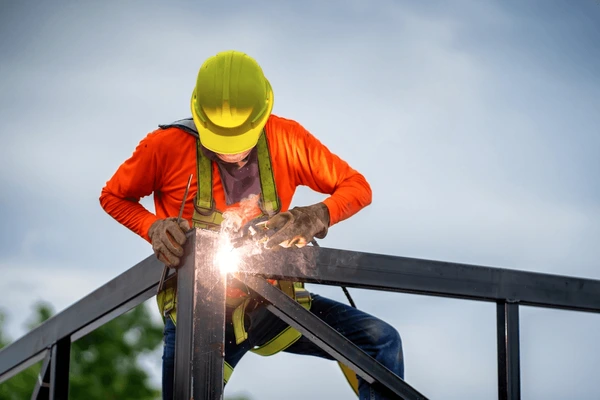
(374, 336)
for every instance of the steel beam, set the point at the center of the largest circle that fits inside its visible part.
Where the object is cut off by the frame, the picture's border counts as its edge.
(41, 390)
(329, 339)
(117, 312)
(59, 370)
(315, 265)
(132, 284)
(186, 275)
(200, 337)
(509, 375)
(435, 278)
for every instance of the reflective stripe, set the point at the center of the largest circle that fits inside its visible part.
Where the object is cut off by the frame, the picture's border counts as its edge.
(289, 335)
(204, 199)
(269, 200)
(350, 377)
(282, 341)
(287, 287)
(285, 339)
(205, 214)
(167, 299)
(207, 217)
(227, 371)
(237, 318)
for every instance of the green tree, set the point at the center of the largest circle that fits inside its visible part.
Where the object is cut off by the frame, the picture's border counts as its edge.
(104, 363)
(20, 386)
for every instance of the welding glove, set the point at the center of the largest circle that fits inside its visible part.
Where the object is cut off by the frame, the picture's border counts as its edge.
(298, 226)
(167, 238)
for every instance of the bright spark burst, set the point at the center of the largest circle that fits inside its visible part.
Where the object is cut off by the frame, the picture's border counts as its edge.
(227, 257)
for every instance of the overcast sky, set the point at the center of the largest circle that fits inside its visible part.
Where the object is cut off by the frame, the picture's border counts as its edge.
(476, 123)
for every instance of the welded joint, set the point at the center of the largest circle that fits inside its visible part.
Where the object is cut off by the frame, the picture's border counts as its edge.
(41, 381)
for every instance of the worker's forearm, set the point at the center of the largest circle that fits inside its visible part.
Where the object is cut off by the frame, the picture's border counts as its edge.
(351, 196)
(130, 213)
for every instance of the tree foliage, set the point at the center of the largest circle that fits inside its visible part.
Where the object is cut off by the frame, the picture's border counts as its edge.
(104, 363)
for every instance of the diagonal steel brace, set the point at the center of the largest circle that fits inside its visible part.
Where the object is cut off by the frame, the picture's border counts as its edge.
(329, 339)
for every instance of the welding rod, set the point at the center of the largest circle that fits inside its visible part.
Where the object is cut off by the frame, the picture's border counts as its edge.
(166, 269)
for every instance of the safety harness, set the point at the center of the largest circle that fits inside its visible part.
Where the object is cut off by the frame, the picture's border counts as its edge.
(206, 216)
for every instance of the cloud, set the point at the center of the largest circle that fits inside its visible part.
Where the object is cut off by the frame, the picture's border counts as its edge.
(475, 123)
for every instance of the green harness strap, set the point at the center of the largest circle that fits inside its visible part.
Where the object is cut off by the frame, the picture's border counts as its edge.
(206, 216)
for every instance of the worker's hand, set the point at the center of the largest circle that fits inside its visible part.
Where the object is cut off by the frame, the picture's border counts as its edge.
(167, 238)
(298, 226)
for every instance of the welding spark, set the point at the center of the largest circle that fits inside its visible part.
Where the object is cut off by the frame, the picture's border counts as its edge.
(227, 257)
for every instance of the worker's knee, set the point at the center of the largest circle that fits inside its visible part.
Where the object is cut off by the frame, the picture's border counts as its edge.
(387, 345)
(386, 335)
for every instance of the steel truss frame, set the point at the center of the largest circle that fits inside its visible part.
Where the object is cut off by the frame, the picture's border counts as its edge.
(201, 311)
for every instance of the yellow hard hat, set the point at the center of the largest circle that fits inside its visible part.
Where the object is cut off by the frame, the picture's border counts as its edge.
(231, 102)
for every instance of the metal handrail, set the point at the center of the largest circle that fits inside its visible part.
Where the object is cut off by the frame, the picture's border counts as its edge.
(114, 298)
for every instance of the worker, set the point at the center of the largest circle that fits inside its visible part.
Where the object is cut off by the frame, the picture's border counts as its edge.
(238, 150)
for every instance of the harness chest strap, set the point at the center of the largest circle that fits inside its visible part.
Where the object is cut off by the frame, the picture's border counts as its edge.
(285, 338)
(282, 341)
(207, 217)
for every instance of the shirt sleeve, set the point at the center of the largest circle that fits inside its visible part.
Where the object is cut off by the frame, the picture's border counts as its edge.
(321, 170)
(134, 179)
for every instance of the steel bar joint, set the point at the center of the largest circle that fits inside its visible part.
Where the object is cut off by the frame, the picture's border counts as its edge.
(509, 375)
(200, 337)
(329, 339)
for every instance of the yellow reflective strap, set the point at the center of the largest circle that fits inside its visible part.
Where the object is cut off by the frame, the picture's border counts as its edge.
(169, 303)
(284, 339)
(238, 322)
(160, 302)
(269, 199)
(204, 198)
(234, 302)
(166, 301)
(302, 296)
(350, 377)
(227, 371)
(211, 222)
(205, 215)
(287, 287)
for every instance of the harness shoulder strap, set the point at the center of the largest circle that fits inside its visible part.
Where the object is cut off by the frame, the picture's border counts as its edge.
(269, 200)
(205, 214)
(186, 124)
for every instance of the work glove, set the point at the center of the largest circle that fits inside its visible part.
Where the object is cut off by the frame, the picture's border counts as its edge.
(298, 226)
(167, 238)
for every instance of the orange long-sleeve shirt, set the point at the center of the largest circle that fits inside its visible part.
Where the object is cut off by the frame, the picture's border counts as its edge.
(163, 161)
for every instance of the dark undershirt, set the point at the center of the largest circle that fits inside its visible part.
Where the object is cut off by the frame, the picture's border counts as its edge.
(238, 183)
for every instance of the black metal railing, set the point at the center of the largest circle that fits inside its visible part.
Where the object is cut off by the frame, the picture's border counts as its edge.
(201, 311)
